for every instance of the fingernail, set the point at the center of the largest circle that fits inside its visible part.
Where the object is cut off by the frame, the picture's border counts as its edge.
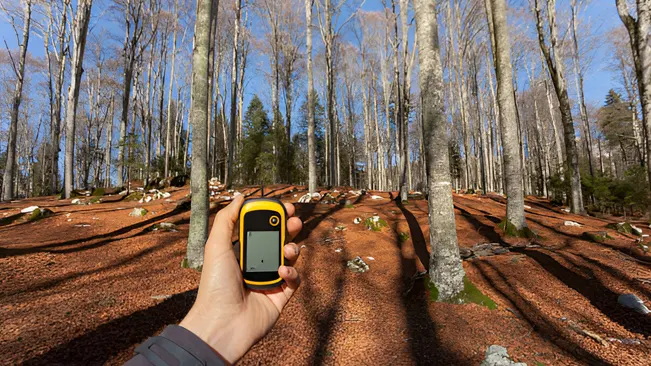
(295, 250)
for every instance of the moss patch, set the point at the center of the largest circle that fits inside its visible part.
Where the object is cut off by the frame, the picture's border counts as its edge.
(39, 214)
(98, 192)
(510, 230)
(95, 200)
(375, 223)
(470, 294)
(596, 236)
(134, 196)
(403, 237)
(622, 228)
(350, 206)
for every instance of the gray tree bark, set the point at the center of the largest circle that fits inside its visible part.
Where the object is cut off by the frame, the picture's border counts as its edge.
(79, 33)
(555, 67)
(199, 212)
(638, 31)
(233, 128)
(496, 10)
(9, 174)
(168, 131)
(445, 269)
(311, 139)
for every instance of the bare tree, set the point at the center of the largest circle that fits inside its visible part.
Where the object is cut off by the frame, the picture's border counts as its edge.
(446, 271)
(79, 35)
(554, 62)
(233, 118)
(19, 71)
(311, 139)
(199, 118)
(638, 32)
(496, 14)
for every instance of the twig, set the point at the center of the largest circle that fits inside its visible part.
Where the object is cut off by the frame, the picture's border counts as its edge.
(575, 327)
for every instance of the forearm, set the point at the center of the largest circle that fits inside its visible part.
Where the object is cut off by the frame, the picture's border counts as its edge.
(175, 346)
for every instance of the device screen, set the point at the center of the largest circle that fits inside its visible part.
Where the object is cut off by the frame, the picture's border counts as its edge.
(262, 251)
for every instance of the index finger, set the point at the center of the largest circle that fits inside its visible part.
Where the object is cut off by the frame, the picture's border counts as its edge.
(290, 209)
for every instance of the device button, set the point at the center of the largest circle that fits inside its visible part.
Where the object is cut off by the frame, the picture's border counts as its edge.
(274, 220)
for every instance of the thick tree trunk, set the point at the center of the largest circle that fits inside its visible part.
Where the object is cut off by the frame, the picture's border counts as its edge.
(9, 174)
(638, 31)
(445, 269)
(496, 12)
(80, 32)
(311, 139)
(200, 106)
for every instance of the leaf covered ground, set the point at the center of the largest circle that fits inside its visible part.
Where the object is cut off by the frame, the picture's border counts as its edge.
(88, 283)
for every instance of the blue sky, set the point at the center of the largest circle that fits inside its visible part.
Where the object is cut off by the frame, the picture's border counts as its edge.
(601, 13)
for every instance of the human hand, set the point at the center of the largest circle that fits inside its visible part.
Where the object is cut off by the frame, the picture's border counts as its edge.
(226, 315)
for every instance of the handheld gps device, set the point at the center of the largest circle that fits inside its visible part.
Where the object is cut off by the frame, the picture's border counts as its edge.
(262, 237)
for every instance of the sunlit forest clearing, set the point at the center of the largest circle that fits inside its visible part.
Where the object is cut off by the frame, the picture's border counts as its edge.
(472, 176)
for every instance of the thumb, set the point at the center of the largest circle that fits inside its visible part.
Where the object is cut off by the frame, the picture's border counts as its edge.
(222, 229)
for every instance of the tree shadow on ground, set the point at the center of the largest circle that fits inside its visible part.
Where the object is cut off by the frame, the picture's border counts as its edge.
(615, 272)
(623, 250)
(532, 316)
(424, 341)
(110, 236)
(416, 234)
(487, 231)
(99, 345)
(600, 296)
(324, 320)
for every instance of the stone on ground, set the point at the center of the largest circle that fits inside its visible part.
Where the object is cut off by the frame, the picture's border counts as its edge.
(631, 301)
(497, 356)
(28, 209)
(138, 212)
(357, 265)
(572, 223)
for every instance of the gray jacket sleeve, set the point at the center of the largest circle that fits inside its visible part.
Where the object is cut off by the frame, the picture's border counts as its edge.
(175, 346)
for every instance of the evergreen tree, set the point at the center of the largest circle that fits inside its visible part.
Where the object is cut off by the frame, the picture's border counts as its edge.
(257, 153)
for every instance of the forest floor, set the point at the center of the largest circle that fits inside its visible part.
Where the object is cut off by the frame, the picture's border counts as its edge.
(87, 284)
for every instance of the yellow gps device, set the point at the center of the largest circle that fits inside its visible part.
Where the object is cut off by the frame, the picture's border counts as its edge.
(262, 237)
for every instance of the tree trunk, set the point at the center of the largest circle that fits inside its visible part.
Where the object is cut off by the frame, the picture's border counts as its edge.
(109, 144)
(638, 31)
(233, 122)
(445, 269)
(555, 67)
(9, 174)
(200, 99)
(168, 132)
(80, 30)
(311, 139)
(496, 11)
(578, 79)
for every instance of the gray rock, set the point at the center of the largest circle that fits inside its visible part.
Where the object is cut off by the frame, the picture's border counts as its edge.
(29, 209)
(138, 212)
(497, 356)
(357, 265)
(633, 302)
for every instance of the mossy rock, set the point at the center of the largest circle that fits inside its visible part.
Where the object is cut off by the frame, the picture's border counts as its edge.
(39, 213)
(134, 196)
(164, 226)
(510, 230)
(469, 295)
(375, 223)
(403, 237)
(596, 236)
(623, 228)
(98, 192)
